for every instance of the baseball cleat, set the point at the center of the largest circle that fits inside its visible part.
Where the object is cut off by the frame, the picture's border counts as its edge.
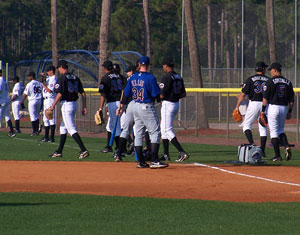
(107, 149)
(44, 139)
(276, 159)
(182, 157)
(158, 164)
(288, 154)
(11, 134)
(165, 157)
(18, 132)
(34, 134)
(117, 157)
(55, 154)
(51, 140)
(142, 165)
(84, 154)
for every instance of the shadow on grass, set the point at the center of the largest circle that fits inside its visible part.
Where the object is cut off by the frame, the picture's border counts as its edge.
(28, 204)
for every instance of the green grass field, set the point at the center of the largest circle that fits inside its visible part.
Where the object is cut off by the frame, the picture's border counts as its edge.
(34, 213)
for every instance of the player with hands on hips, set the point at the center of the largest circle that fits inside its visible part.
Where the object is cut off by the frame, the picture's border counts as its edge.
(33, 91)
(171, 90)
(278, 94)
(4, 104)
(67, 88)
(143, 89)
(16, 98)
(49, 95)
(253, 88)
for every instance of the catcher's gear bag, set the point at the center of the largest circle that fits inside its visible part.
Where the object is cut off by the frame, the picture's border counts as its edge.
(249, 153)
(99, 120)
(49, 114)
(263, 120)
(236, 115)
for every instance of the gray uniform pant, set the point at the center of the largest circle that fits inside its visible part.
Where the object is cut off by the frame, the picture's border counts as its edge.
(145, 116)
(128, 121)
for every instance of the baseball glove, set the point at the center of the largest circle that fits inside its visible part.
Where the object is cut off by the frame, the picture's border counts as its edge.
(263, 120)
(49, 114)
(236, 115)
(99, 120)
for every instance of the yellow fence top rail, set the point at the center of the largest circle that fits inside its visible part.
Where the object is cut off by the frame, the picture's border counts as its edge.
(204, 90)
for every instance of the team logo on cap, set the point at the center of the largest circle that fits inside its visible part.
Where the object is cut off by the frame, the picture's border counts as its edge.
(161, 86)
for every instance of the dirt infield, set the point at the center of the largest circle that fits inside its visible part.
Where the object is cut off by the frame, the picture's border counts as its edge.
(227, 183)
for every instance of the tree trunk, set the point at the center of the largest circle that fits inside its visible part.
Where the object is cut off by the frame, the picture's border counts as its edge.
(54, 32)
(215, 57)
(271, 32)
(209, 41)
(235, 51)
(195, 63)
(222, 46)
(147, 27)
(104, 36)
(227, 35)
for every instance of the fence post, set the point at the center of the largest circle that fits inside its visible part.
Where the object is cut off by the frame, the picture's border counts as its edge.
(227, 115)
(196, 134)
(90, 110)
(220, 106)
(297, 117)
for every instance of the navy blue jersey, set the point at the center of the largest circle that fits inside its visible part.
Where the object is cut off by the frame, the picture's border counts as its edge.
(253, 87)
(172, 87)
(111, 86)
(142, 87)
(279, 91)
(69, 86)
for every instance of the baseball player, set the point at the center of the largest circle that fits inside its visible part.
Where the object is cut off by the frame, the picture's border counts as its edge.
(142, 87)
(171, 90)
(111, 87)
(4, 104)
(279, 94)
(49, 97)
(128, 122)
(33, 91)
(67, 89)
(16, 98)
(252, 88)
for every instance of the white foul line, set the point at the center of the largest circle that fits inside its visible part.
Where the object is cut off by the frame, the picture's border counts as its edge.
(249, 176)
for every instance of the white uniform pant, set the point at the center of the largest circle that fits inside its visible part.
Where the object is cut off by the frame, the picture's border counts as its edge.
(112, 108)
(145, 116)
(276, 119)
(252, 114)
(168, 112)
(68, 111)
(16, 109)
(4, 110)
(47, 104)
(34, 108)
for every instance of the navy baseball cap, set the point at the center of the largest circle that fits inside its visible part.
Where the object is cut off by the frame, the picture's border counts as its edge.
(108, 64)
(62, 63)
(144, 60)
(168, 61)
(16, 78)
(116, 68)
(49, 68)
(31, 74)
(276, 66)
(261, 64)
(130, 68)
